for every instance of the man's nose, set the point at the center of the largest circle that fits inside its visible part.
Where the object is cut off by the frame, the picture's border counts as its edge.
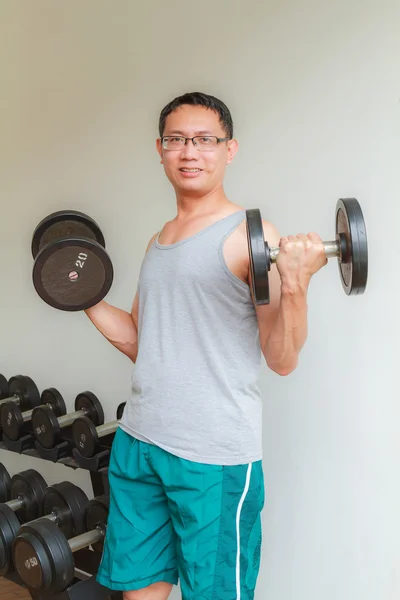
(189, 150)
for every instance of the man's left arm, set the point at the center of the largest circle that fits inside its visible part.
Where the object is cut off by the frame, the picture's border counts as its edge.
(283, 323)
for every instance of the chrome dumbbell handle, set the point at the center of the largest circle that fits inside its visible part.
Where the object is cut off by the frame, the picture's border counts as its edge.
(86, 539)
(15, 504)
(13, 398)
(66, 420)
(332, 250)
(103, 430)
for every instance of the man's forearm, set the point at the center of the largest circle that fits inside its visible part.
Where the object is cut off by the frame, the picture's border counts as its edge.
(116, 326)
(288, 334)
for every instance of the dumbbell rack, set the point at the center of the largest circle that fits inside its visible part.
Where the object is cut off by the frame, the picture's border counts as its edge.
(85, 586)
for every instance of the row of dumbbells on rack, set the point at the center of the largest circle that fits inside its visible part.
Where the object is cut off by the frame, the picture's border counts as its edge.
(47, 532)
(30, 420)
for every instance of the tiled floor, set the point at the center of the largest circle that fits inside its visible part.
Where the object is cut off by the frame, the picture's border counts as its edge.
(10, 591)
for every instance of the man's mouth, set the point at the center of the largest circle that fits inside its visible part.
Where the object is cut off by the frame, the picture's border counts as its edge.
(186, 170)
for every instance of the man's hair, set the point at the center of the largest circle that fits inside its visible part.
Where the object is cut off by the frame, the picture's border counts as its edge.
(199, 99)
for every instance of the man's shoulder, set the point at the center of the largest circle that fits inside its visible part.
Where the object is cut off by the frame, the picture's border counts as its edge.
(151, 242)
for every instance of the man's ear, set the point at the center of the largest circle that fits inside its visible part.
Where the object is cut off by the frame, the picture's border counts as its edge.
(159, 149)
(233, 147)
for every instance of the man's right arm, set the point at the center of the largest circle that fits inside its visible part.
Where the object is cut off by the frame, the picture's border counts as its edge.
(118, 326)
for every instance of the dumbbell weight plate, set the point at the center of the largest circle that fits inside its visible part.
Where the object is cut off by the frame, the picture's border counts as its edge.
(53, 397)
(5, 484)
(11, 415)
(259, 258)
(23, 386)
(43, 557)
(350, 227)
(96, 514)
(85, 436)
(90, 402)
(11, 420)
(65, 224)
(31, 486)
(45, 426)
(68, 502)
(120, 410)
(9, 527)
(3, 387)
(72, 274)
(72, 270)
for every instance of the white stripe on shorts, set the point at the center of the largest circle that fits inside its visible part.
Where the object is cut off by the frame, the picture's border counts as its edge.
(239, 510)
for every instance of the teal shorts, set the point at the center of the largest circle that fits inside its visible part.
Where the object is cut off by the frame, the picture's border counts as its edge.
(176, 520)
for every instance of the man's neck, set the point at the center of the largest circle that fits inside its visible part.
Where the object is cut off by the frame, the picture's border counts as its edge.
(191, 207)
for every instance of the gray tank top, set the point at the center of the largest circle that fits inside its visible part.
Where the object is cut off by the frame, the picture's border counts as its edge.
(194, 385)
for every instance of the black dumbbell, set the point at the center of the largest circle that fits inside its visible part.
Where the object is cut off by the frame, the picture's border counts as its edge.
(5, 484)
(26, 495)
(43, 556)
(350, 247)
(63, 504)
(72, 270)
(16, 423)
(3, 387)
(87, 437)
(27, 489)
(22, 391)
(47, 427)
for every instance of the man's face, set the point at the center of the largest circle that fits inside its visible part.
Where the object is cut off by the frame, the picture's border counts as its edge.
(192, 171)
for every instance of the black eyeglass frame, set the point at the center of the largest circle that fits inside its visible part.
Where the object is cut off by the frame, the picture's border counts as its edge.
(192, 139)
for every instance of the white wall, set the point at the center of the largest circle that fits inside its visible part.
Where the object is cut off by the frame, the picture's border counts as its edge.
(315, 93)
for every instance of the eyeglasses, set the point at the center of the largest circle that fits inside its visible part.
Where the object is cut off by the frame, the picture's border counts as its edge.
(204, 143)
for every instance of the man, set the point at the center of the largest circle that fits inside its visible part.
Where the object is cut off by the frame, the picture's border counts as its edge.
(185, 473)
